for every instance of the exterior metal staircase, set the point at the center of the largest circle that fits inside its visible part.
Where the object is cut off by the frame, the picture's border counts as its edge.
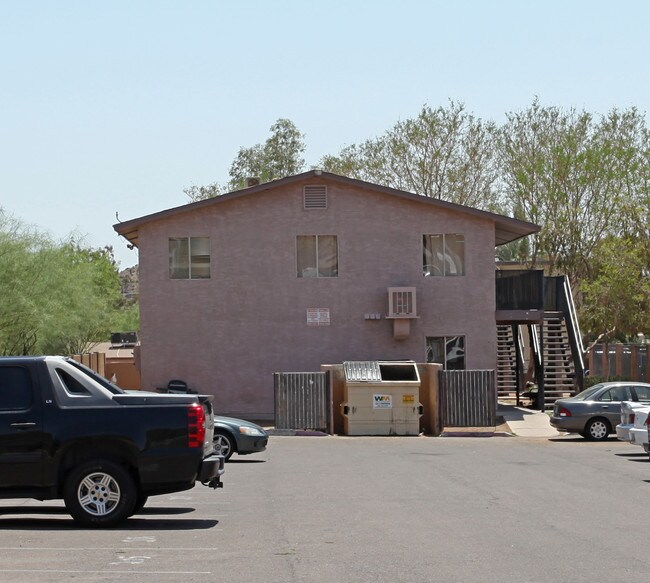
(558, 363)
(555, 359)
(506, 365)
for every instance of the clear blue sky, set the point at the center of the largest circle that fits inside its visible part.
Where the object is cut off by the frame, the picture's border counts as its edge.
(119, 105)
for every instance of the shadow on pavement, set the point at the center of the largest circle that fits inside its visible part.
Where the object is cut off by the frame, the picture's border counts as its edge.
(240, 461)
(577, 438)
(61, 520)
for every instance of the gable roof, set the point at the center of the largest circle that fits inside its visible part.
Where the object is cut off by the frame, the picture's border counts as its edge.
(506, 229)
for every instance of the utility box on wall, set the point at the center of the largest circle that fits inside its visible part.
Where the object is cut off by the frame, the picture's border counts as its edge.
(381, 398)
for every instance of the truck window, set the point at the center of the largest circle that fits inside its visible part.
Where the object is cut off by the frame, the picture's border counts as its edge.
(97, 378)
(15, 388)
(71, 384)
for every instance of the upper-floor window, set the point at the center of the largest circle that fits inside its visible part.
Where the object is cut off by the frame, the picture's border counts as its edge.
(189, 258)
(443, 254)
(317, 256)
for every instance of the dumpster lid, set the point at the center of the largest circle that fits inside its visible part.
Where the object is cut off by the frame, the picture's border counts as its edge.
(362, 370)
(377, 371)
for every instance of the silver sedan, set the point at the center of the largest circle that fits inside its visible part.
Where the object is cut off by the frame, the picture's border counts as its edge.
(595, 412)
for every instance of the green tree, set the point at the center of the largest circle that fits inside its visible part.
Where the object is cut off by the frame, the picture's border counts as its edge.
(278, 157)
(23, 269)
(616, 299)
(196, 193)
(57, 297)
(571, 174)
(87, 301)
(443, 153)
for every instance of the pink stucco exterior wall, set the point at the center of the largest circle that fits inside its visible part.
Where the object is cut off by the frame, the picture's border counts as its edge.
(229, 334)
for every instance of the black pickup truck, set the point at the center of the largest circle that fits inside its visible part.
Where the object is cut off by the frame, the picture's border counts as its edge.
(66, 432)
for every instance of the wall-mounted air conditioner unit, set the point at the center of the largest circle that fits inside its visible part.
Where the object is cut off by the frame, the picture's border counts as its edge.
(402, 308)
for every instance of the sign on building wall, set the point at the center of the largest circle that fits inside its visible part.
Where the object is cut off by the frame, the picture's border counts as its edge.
(382, 402)
(318, 316)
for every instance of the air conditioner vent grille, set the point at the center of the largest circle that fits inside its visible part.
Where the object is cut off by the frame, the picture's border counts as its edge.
(401, 302)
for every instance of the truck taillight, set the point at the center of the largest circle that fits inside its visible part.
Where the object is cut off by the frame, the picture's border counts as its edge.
(647, 421)
(632, 418)
(195, 425)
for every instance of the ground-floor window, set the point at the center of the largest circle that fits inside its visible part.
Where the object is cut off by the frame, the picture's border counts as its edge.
(447, 350)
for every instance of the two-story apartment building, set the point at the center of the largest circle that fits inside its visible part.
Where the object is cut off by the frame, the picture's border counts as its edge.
(308, 270)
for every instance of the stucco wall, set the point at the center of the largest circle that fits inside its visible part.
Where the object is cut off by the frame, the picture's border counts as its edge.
(228, 334)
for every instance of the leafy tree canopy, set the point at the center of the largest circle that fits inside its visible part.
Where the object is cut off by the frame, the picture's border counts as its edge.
(443, 153)
(278, 157)
(57, 297)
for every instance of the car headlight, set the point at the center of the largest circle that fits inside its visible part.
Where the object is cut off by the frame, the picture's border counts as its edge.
(250, 431)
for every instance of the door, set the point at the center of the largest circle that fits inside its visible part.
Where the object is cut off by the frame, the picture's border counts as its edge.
(21, 438)
(610, 403)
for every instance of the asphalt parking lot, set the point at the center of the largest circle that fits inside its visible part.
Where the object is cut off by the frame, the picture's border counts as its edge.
(340, 509)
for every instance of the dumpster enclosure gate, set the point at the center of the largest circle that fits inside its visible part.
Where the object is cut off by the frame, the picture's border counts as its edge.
(303, 401)
(469, 398)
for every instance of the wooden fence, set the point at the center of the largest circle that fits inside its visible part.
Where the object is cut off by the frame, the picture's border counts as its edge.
(303, 401)
(627, 362)
(469, 398)
(93, 360)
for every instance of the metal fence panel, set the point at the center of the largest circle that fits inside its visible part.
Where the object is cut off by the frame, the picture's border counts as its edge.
(302, 400)
(469, 398)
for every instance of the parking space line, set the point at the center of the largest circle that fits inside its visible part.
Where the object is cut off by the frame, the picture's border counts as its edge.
(152, 548)
(106, 572)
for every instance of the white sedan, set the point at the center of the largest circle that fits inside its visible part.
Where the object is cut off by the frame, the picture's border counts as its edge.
(628, 414)
(639, 433)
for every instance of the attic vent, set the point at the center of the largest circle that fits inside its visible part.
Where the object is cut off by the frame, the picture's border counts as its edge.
(315, 197)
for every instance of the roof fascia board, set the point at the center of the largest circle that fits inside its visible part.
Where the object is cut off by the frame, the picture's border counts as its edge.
(510, 229)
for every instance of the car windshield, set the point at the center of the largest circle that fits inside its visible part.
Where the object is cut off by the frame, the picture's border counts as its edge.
(587, 393)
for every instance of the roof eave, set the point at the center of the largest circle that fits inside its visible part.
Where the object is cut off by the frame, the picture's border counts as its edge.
(507, 229)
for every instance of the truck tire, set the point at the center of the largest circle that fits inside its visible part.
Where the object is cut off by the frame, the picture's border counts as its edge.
(140, 501)
(100, 493)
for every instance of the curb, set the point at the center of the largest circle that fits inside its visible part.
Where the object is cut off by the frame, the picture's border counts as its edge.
(476, 434)
(293, 432)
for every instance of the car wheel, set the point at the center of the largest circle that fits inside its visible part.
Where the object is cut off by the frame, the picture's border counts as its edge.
(597, 429)
(100, 493)
(224, 444)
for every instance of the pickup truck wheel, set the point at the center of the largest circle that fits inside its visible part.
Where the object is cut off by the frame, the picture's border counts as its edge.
(223, 444)
(100, 493)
